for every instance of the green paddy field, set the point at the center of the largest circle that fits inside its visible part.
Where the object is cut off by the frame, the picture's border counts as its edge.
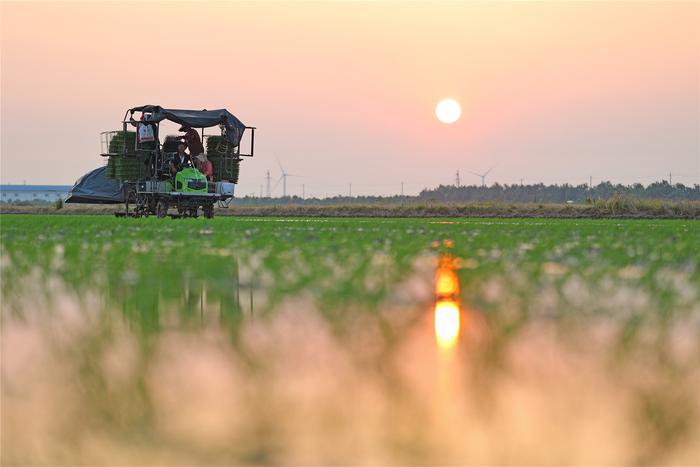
(313, 341)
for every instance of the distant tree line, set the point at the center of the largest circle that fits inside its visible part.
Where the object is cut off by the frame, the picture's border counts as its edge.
(540, 193)
(534, 193)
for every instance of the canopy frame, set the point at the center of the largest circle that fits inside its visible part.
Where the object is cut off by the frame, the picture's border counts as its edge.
(230, 126)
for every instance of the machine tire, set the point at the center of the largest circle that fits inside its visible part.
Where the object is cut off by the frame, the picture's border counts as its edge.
(162, 208)
(208, 211)
(152, 206)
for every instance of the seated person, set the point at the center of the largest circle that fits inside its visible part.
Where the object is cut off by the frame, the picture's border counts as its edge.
(204, 166)
(181, 159)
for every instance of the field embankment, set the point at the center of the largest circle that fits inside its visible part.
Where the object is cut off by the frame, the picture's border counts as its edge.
(615, 207)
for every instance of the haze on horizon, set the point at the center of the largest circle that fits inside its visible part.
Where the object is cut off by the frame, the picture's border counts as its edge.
(343, 93)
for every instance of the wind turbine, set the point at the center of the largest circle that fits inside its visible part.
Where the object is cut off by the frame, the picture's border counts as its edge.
(483, 176)
(283, 178)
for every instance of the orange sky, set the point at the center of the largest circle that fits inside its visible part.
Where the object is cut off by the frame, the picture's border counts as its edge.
(345, 92)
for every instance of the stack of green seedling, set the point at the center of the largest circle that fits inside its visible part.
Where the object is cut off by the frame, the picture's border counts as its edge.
(225, 167)
(111, 167)
(224, 161)
(130, 167)
(220, 145)
(116, 144)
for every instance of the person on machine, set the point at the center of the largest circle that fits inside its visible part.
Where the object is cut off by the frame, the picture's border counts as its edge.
(193, 140)
(181, 159)
(204, 165)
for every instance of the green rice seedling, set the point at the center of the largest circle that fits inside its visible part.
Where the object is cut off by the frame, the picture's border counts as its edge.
(132, 167)
(219, 145)
(208, 332)
(225, 167)
(122, 139)
(111, 167)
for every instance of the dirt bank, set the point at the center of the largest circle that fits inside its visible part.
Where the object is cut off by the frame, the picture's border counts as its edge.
(614, 208)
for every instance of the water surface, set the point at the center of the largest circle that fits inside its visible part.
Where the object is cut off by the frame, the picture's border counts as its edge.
(357, 341)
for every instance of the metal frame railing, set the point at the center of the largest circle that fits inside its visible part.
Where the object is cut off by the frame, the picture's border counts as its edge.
(158, 166)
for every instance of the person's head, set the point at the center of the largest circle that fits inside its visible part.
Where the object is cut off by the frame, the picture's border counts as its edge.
(181, 147)
(185, 128)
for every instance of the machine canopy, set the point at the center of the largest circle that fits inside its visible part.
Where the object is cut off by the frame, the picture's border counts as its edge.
(95, 188)
(233, 128)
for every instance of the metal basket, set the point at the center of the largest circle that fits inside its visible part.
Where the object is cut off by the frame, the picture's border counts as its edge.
(113, 142)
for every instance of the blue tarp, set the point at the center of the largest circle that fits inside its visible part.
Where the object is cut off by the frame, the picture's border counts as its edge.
(95, 188)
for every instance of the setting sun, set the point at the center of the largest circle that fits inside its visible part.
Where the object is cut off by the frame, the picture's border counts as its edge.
(448, 111)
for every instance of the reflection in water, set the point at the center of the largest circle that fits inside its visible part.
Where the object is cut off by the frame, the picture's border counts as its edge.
(447, 322)
(447, 309)
(446, 280)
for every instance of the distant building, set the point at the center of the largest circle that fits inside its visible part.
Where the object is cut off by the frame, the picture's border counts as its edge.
(33, 193)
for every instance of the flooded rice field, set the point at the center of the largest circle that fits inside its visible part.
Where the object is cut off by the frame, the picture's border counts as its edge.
(349, 341)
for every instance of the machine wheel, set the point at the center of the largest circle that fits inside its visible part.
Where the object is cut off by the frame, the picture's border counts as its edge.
(152, 206)
(162, 208)
(192, 212)
(208, 211)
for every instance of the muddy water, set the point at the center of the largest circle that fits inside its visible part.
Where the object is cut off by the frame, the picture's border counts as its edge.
(436, 371)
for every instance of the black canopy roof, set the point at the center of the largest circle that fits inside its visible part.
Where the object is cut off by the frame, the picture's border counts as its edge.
(233, 128)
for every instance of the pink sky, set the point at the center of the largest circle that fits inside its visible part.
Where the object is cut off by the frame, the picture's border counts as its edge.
(345, 92)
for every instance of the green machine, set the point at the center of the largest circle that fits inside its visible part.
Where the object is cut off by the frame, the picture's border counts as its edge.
(143, 165)
(190, 180)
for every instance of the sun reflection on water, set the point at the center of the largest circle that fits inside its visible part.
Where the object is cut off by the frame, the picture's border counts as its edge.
(447, 307)
(447, 323)
(446, 282)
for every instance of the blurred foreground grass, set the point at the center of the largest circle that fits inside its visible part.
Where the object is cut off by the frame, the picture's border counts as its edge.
(243, 340)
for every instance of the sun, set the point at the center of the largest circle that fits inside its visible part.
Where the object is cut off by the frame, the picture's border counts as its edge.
(448, 111)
